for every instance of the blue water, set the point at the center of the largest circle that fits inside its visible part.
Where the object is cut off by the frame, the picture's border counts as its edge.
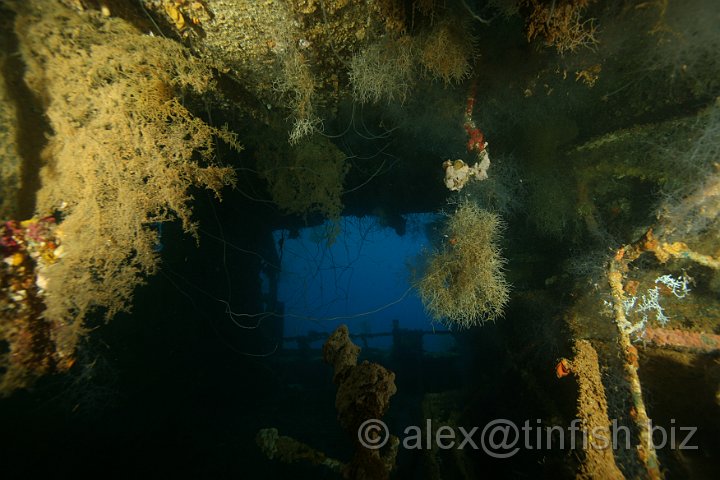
(361, 278)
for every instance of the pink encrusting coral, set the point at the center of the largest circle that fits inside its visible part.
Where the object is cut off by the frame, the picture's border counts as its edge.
(683, 340)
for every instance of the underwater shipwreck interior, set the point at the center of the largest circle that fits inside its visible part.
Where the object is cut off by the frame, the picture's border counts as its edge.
(361, 239)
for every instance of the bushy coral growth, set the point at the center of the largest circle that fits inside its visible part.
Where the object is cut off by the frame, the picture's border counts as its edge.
(297, 86)
(123, 154)
(383, 71)
(10, 174)
(386, 69)
(463, 284)
(561, 24)
(447, 52)
(307, 178)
